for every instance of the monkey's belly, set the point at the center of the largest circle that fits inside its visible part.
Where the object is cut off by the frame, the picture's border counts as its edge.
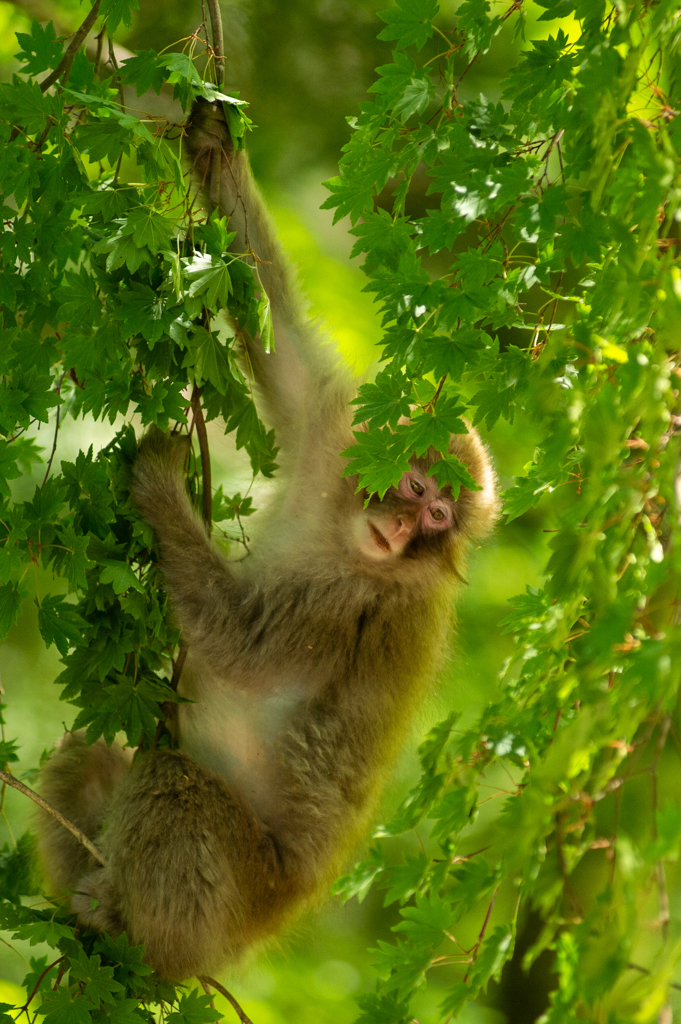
(235, 734)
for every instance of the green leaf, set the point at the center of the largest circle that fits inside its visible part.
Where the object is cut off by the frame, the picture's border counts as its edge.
(209, 277)
(146, 71)
(113, 12)
(41, 50)
(11, 596)
(415, 98)
(362, 878)
(100, 985)
(8, 754)
(450, 470)
(379, 460)
(120, 575)
(63, 1008)
(208, 358)
(265, 324)
(384, 401)
(409, 22)
(148, 228)
(59, 623)
(193, 1009)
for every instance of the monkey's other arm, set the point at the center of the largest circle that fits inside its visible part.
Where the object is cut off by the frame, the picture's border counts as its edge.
(197, 577)
(292, 374)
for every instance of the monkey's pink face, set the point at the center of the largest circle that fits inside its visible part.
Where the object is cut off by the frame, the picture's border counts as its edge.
(415, 506)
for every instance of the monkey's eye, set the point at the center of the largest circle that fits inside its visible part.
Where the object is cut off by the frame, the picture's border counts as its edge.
(437, 514)
(416, 487)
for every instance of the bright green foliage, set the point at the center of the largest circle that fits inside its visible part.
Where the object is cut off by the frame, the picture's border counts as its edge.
(109, 294)
(110, 285)
(542, 280)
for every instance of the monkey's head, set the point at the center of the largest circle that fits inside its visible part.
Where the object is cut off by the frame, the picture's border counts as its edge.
(420, 520)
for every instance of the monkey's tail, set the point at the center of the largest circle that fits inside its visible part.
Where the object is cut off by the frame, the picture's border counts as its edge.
(78, 781)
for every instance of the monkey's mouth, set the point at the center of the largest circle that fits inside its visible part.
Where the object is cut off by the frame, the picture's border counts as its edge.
(381, 542)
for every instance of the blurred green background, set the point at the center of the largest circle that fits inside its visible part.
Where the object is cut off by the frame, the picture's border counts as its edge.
(304, 66)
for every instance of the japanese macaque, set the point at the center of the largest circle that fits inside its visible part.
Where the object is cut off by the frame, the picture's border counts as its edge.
(306, 659)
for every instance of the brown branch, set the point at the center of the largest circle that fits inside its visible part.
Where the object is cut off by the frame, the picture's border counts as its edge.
(9, 780)
(243, 1017)
(179, 665)
(218, 42)
(64, 65)
(206, 989)
(56, 432)
(37, 984)
(476, 948)
(433, 402)
(200, 424)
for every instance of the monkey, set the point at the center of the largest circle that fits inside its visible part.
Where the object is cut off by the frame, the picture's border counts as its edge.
(306, 659)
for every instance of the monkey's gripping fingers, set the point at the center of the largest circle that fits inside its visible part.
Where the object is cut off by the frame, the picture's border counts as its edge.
(157, 475)
(207, 130)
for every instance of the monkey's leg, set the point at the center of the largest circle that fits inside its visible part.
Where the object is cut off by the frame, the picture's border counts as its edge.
(190, 872)
(78, 781)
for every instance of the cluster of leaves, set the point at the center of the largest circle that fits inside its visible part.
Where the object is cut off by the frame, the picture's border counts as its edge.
(109, 291)
(112, 277)
(560, 202)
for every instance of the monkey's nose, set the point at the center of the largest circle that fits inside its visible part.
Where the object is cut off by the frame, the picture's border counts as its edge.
(403, 528)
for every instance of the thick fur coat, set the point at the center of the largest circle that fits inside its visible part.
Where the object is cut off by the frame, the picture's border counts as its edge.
(306, 661)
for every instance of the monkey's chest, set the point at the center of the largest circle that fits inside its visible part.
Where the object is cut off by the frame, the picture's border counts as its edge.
(235, 734)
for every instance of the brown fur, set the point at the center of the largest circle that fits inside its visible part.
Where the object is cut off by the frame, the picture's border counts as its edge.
(306, 662)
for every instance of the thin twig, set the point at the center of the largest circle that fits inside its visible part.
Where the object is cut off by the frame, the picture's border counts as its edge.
(433, 402)
(9, 780)
(64, 65)
(476, 948)
(100, 46)
(206, 988)
(218, 42)
(37, 984)
(644, 970)
(179, 665)
(200, 424)
(56, 432)
(243, 1017)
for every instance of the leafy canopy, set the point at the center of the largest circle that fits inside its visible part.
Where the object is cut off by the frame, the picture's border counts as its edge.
(541, 281)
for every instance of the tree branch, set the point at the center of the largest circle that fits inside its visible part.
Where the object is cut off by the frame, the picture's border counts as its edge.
(64, 65)
(243, 1017)
(218, 42)
(9, 780)
(200, 424)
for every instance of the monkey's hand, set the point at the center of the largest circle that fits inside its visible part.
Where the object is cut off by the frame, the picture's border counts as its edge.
(207, 131)
(158, 474)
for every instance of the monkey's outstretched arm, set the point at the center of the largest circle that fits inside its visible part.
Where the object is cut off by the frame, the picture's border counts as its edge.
(300, 364)
(197, 578)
